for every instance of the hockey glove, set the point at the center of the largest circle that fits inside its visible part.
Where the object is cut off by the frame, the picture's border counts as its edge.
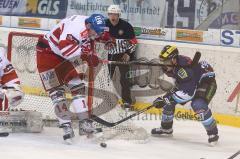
(162, 101)
(159, 102)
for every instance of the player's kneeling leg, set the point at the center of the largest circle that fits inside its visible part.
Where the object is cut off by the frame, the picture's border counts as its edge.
(77, 87)
(204, 114)
(61, 108)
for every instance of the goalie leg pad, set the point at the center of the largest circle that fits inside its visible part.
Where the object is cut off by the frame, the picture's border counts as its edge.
(21, 121)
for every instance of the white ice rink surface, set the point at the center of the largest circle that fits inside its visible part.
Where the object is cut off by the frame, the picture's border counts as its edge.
(189, 142)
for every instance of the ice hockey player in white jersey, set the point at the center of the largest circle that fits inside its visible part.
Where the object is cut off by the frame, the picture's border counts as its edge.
(72, 37)
(9, 83)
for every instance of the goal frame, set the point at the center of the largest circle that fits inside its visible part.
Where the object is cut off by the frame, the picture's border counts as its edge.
(91, 69)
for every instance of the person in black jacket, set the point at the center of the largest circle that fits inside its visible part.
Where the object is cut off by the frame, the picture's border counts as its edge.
(123, 49)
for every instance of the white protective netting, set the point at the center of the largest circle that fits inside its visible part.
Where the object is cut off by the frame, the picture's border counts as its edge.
(23, 57)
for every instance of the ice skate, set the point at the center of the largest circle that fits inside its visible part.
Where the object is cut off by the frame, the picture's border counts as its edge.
(86, 128)
(213, 139)
(160, 131)
(68, 132)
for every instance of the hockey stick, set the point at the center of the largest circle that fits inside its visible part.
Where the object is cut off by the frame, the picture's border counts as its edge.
(234, 155)
(134, 63)
(63, 69)
(109, 124)
(195, 61)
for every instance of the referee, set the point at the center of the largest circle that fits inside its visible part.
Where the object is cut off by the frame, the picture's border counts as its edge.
(123, 50)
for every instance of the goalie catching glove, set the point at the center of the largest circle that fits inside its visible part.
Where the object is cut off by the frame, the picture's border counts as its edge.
(14, 94)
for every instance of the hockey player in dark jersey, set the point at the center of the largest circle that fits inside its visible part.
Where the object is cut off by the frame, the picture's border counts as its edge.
(123, 49)
(195, 83)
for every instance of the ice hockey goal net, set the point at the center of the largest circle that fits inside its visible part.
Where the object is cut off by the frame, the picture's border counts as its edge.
(22, 54)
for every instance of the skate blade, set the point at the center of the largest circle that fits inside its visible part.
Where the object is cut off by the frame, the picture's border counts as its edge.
(213, 144)
(68, 141)
(162, 135)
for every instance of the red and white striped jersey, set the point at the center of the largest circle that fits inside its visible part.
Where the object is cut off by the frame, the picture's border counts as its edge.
(69, 38)
(8, 75)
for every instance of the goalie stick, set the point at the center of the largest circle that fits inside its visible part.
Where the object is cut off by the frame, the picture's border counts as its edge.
(109, 124)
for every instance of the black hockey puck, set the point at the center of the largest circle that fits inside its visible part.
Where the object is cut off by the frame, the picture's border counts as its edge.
(4, 134)
(104, 145)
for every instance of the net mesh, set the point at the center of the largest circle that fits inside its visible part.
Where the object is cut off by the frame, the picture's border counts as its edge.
(23, 57)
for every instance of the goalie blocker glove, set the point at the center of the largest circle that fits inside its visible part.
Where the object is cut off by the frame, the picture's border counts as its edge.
(14, 94)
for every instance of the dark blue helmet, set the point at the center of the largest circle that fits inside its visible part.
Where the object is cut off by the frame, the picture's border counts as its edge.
(97, 22)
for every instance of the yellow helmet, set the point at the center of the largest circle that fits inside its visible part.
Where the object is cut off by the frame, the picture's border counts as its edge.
(168, 52)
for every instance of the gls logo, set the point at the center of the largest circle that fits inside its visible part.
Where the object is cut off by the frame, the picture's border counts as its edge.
(48, 7)
(43, 7)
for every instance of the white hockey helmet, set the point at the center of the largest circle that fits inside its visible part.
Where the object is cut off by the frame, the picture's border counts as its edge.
(115, 9)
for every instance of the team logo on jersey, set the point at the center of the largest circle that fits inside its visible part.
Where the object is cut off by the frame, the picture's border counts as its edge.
(72, 38)
(182, 73)
(120, 32)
